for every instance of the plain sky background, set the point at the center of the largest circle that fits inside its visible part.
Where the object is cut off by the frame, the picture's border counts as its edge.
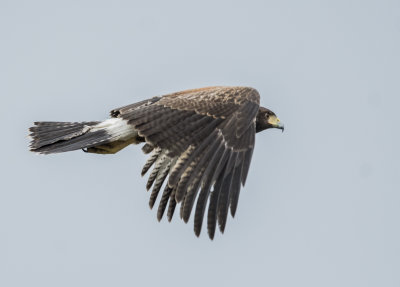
(321, 206)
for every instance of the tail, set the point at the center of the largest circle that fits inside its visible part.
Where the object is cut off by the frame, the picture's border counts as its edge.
(56, 137)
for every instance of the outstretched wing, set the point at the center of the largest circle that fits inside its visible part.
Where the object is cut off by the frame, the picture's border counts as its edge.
(200, 139)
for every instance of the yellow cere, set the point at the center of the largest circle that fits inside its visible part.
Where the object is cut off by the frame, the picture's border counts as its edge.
(273, 120)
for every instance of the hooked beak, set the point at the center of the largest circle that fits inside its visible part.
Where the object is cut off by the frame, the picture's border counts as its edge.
(280, 126)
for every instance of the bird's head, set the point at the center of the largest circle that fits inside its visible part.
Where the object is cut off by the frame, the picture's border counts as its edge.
(267, 119)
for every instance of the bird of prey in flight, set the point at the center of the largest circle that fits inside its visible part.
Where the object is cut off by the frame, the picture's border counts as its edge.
(200, 143)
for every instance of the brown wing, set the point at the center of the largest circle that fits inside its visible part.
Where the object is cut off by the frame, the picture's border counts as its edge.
(202, 138)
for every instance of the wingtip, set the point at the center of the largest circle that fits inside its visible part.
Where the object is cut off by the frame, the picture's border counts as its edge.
(211, 234)
(169, 218)
(151, 204)
(222, 228)
(186, 218)
(233, 212)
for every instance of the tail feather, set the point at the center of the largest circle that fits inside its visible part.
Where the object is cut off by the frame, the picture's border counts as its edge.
(44, 133)
(56, 137)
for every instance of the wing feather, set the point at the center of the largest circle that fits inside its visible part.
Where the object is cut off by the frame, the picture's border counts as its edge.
(247, 160)
(171, 205)
(164, 201)
(151, 160)
(235, 186)
(147, 148)
(206, 187)
(157, 166)
(225, 191)
(195, 179)
(181, 173)
(214, 199)
(162, 175)
(200, 140)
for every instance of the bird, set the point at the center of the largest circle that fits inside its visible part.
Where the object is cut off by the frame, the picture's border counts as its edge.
(200, 144)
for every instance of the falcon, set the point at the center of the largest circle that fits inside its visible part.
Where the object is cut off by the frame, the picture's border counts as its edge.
(200, 143)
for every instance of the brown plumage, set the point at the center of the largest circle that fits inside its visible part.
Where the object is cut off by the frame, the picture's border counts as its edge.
(200, 142)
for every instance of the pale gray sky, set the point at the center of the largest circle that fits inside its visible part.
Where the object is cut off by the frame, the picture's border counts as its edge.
(321, 206)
